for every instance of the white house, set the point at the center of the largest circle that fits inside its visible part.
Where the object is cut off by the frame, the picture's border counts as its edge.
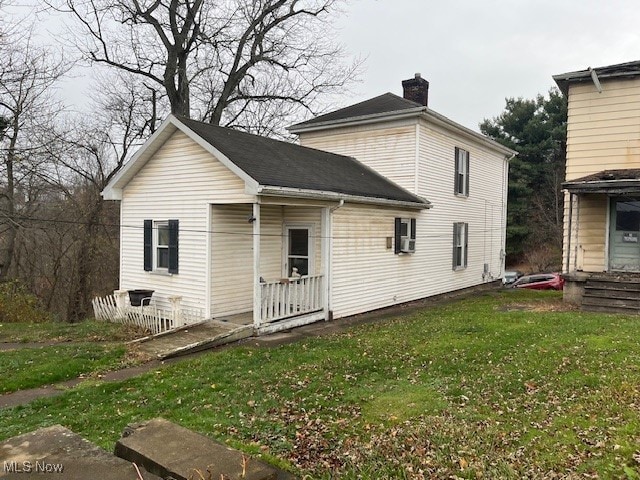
(384, 202)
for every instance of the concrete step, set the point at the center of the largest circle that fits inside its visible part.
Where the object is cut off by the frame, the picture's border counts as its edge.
(172, 451)
(57, 452)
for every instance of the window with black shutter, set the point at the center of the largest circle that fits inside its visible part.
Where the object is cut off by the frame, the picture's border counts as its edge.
(161, 246)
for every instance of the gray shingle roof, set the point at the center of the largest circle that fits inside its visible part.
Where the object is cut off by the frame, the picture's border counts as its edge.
(280, 164)
(385, 103)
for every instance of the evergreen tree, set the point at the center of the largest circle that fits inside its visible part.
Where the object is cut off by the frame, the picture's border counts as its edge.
(536, 129)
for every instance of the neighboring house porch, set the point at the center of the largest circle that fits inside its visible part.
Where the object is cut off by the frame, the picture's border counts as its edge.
(602, 240)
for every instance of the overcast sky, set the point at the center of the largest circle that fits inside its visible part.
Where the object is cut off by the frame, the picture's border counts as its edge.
(474, 53)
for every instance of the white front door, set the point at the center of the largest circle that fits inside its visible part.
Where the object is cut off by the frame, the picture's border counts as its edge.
(298, 250)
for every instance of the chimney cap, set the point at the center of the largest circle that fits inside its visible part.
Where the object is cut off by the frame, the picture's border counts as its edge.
(418, 75)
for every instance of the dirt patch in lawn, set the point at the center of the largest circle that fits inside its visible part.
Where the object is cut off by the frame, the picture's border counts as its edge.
(548, 306)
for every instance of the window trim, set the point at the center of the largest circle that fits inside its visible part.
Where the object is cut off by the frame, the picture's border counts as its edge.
(157, 225)
(310, 243)
(460, 243)
(461, 178)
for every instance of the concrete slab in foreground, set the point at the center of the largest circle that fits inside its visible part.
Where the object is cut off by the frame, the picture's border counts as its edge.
(56, 452)
(172, 451)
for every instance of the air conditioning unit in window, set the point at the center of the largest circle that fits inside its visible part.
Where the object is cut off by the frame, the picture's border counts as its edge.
(408, 245)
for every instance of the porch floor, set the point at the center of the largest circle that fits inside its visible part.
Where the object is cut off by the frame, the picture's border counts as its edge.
(245, 318)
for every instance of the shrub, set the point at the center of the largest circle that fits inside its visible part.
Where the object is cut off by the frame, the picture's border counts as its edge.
(18, 305)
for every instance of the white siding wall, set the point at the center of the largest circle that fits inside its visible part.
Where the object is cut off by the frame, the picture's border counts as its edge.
(390, 148)
(483, 209)
(178, 182)
(365, 274)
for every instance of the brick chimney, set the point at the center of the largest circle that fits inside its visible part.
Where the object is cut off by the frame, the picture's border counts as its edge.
(416, 89)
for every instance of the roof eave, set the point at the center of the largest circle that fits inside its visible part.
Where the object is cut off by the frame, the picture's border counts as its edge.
(603, 186)
(467, 132)
(275, 191)
(358, 120)
(401, 114)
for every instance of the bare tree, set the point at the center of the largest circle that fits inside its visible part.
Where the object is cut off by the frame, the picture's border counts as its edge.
(87, 153)
(224, 62)
(27, 111)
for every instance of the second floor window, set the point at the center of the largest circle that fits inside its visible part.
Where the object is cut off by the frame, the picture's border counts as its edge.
(462, 172)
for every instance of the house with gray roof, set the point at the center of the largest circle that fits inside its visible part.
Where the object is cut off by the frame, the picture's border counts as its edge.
(381, 203)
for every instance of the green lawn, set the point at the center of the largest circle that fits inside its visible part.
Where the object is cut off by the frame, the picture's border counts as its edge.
(56, 360)
(498, 386)
(88, 331)
(33, 367)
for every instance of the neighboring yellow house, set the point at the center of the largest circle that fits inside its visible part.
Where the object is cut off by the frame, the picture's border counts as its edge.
(601, 254)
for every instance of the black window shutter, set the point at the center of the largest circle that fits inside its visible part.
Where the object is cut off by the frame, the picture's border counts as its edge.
(455, 241)
(413, 229)
(466, 243)
(148, 245)
(456, 182)
(398, 236)
(466, 180)
(173, 246)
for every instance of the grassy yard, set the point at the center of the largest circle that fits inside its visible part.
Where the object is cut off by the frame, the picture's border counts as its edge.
(505, 385)
(55, 360)
(33, 367)
(88, 331)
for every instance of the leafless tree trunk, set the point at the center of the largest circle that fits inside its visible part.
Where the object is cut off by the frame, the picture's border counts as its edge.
(27, 75)
(92, 153)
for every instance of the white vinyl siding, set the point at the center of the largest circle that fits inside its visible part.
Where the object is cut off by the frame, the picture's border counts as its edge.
(178, 182)
(389, 149)
(365, 274)
(484, 210)
(603, 130)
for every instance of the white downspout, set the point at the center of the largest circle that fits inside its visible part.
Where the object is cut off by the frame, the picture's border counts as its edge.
(327, 253)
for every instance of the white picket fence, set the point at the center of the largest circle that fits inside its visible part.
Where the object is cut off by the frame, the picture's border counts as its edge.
(150, 317)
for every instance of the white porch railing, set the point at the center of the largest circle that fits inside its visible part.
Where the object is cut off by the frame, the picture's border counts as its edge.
(150, 317)
(282, 299)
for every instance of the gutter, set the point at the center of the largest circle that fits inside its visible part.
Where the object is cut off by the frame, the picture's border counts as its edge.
(270, 191)
(359, 120)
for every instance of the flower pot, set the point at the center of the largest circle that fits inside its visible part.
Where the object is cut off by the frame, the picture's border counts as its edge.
(140, 297)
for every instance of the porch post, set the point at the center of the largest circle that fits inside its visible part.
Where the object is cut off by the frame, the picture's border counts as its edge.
(257, 300)
(326, 260)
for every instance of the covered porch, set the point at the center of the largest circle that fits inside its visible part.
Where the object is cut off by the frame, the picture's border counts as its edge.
(602, 238)
(269, 263)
